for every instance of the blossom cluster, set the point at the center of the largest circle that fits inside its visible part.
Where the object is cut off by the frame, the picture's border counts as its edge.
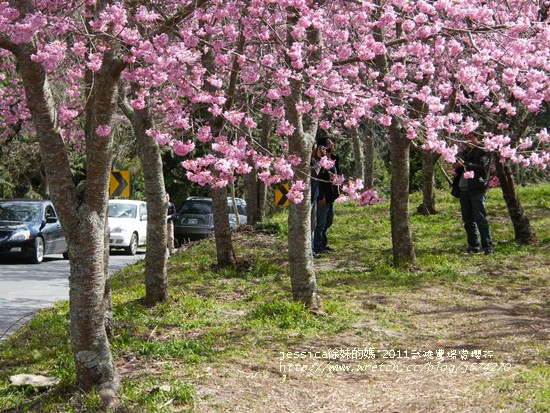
(209, 71)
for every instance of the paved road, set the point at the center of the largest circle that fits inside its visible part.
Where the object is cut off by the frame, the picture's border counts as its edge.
(26, 288)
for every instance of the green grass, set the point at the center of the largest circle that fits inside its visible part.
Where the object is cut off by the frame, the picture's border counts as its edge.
(219, 316)
(529, 387)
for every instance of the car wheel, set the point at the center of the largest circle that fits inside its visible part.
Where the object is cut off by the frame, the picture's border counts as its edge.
(38, 251)
(132, 248)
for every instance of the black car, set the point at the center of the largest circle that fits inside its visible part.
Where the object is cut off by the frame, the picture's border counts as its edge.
(195, 219)
(30, 229)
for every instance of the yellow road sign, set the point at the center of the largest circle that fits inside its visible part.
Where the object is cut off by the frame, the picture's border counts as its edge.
(280, 195)
(119, 184)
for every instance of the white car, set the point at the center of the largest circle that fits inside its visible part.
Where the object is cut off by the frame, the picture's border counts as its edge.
(127, 225)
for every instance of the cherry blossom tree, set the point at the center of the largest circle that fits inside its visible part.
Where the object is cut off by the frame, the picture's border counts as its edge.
(64, 64)
(423, 64)
(511, 72)
(415, 68)
(491, 62)
(216, 42)
(26, 33)
(156, 283)
(256, 190)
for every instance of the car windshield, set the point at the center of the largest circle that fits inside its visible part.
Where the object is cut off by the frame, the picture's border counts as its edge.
(196, 207)
(20, 212)
(122, 211)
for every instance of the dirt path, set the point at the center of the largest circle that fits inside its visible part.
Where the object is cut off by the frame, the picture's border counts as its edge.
(472, 341)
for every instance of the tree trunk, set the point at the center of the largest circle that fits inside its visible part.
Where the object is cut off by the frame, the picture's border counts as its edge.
(251, 183)
(523, 231)
(369, 155)
(358, 153)
(429, 159)
(107, 294)
(255, 188)
(267, 124)
(224, 244)
(403, 250)
(82, 214)
(302, 272)
(88, 289)
(156, 280)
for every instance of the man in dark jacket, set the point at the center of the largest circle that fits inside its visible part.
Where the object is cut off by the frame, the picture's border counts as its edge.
(327, 194)
(170, 216)
(470, 184)
(315, 166)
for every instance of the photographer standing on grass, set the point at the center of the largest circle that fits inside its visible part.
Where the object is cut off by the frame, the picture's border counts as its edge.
(170, 216)
(470, 184)
(316, 155)
(328, 192)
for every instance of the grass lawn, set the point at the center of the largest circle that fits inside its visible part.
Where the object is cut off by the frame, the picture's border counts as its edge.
(459, 333)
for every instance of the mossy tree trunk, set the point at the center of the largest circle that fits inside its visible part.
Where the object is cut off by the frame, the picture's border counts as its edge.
(368, 145)
(224, 243)
(358, 153)
(156, 279)
(302, 272)
(429, 160)
(255, 189)
(82, 212)
(523, 231)
(403, 249)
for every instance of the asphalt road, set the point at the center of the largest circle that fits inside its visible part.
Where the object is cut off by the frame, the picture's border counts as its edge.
(26, 288)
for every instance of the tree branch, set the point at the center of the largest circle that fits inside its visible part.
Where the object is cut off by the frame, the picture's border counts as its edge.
(7, 44)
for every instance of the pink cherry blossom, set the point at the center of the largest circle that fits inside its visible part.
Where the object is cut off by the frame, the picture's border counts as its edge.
(94, 61)
(296, 192)
(327, 163)
(103, 130)
(285, 128)
(182, 148)
(439, 67)
(50, 55)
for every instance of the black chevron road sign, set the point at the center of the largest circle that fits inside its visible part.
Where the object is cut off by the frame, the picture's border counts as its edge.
(119, 184)
(280, 195)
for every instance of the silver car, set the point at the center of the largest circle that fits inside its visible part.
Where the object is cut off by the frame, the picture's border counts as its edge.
(127, 224)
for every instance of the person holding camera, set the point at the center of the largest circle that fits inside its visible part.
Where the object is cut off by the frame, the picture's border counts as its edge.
(315, 168)
(470, 184)
(170, 216)
(327, 194)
